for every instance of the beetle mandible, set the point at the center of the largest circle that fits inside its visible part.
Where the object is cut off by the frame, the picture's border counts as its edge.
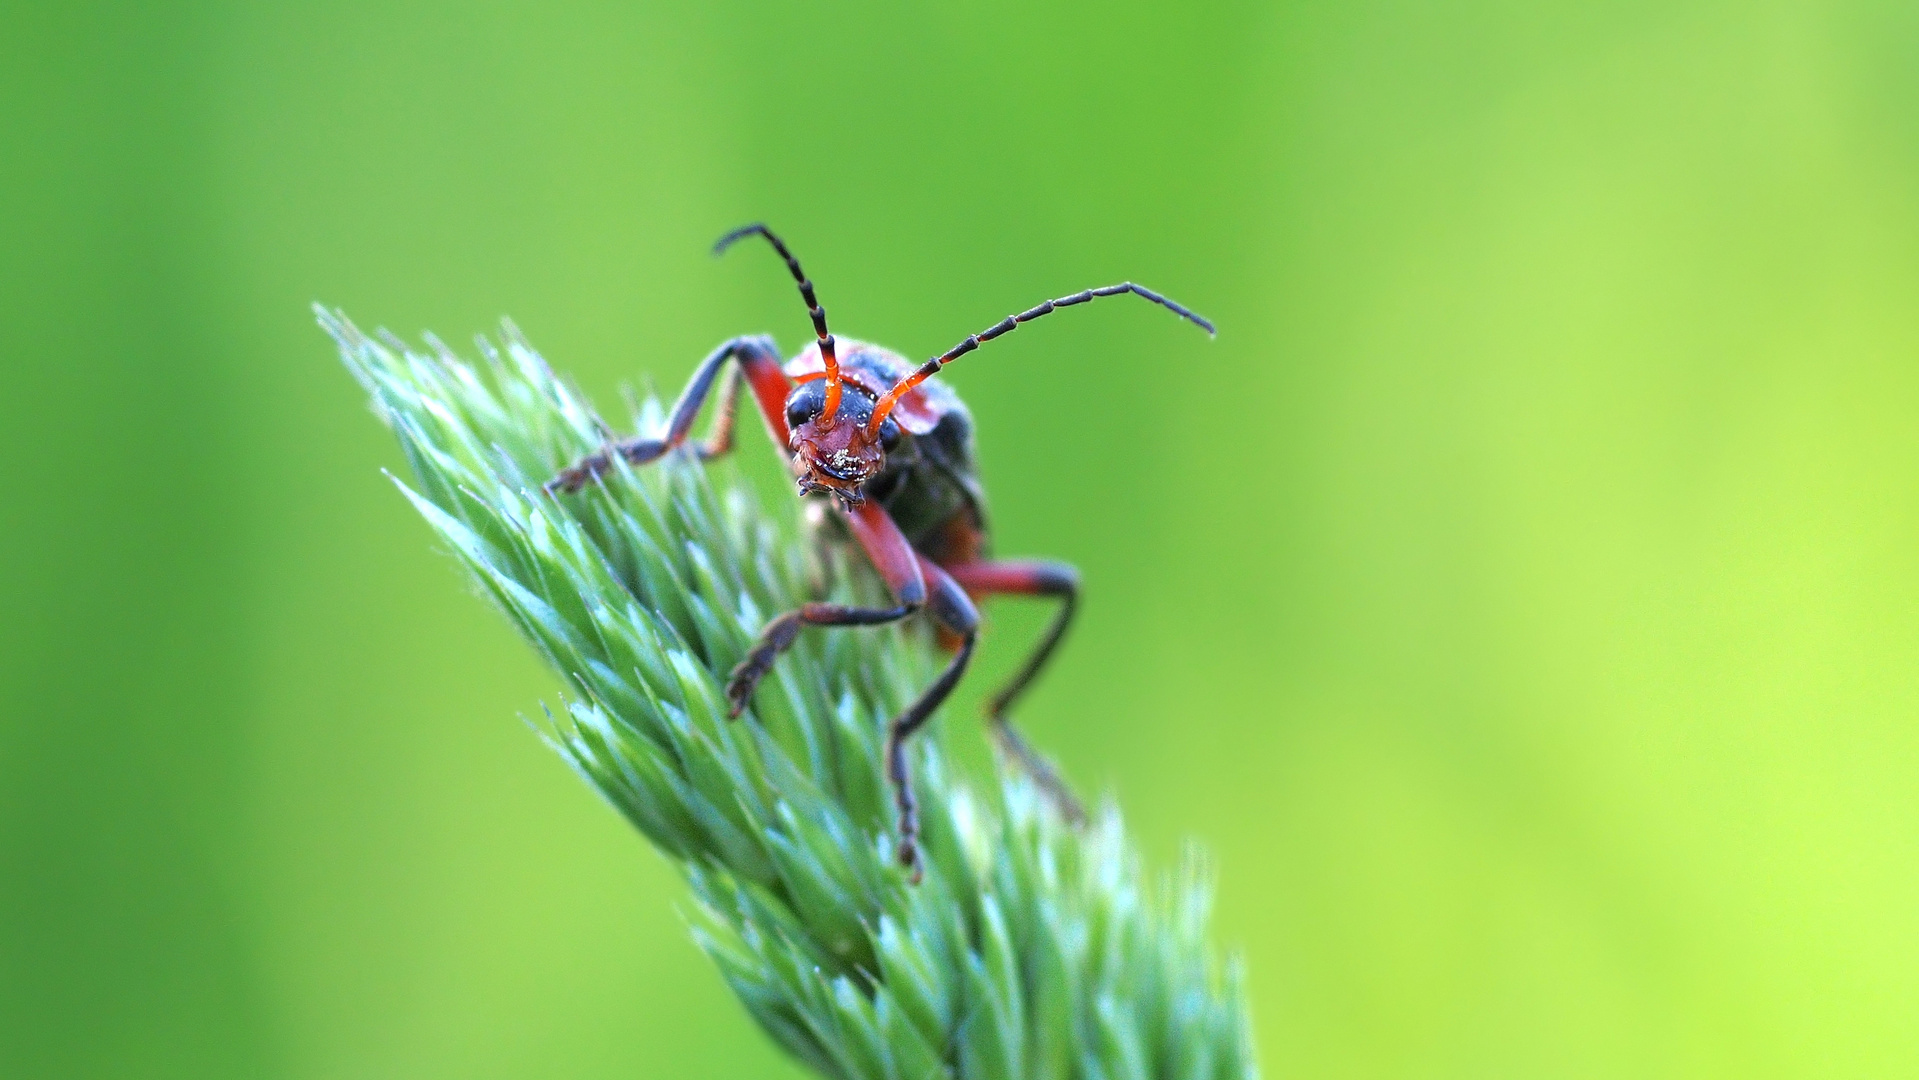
(895, 453)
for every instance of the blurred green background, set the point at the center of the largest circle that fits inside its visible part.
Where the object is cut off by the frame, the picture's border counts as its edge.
(1521, 597)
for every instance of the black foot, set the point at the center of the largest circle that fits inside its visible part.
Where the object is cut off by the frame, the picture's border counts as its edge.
(747, 674)
(908, 849)
(578, 475)
(593, 466)
(909, 856)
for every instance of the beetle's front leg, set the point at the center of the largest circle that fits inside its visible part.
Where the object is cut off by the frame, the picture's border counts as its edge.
(758, 360)
(914, 583)
(899, 567)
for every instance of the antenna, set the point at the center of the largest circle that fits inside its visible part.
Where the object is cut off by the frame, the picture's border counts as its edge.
(813, 308)
(1012, 322)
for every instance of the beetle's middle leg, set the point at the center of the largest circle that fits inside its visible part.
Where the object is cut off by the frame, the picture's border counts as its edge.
(1027, 578)
(950, 605)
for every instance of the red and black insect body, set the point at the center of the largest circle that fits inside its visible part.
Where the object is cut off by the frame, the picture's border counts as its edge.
(894, 451)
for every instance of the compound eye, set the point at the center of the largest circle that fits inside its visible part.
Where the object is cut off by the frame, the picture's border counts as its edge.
(805, 403)
(889, 435)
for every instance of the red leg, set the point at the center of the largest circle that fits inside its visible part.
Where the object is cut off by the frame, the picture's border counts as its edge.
(1027, 578)
(759, 361)
(892, 556)
(915, 583)
(770, 387)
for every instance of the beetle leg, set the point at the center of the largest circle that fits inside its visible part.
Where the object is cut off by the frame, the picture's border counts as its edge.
(915, 583)
(719, 438)
(954, 609)
(779, 635)
(758, 360)
(898, 565)
(1027, 578)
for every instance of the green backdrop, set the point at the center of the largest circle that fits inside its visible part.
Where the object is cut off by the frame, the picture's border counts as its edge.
(1521, 596)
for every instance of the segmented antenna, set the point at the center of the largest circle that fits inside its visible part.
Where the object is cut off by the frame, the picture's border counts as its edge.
(813, 308)
(1008, 325)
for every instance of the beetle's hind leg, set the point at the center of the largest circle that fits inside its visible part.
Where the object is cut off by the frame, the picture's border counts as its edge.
(1021, 578)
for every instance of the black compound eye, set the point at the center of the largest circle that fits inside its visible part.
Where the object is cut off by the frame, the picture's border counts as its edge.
(889, 435)
(804, 403)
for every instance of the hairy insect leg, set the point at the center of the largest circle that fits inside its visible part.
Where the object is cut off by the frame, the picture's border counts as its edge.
(758, 361)
(1027, 578)
(949, 604)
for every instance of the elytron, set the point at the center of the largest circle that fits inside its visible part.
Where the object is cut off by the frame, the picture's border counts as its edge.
(893, 451)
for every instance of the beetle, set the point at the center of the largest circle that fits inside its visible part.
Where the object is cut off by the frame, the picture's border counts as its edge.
(894, 452)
